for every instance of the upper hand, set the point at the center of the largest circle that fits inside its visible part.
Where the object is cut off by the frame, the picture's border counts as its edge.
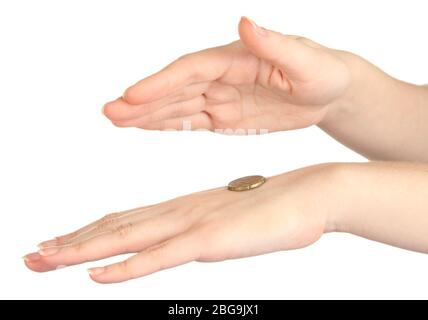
(265, 80)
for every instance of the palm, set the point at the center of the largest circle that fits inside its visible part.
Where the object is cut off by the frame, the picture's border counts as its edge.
(254, 94)
(230, 88)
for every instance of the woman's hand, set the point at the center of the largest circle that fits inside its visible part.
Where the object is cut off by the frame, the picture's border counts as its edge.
(382, 201)
(287, 212)
(266, 81)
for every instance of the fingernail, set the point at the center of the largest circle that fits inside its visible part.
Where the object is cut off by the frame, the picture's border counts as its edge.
(32, 257)
(48, 251)
(103, 109)
(49, 243)
(259, 30)
(96, 271)
(61, 266)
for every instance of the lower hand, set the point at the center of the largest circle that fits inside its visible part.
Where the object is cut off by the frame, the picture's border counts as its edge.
(289, 211)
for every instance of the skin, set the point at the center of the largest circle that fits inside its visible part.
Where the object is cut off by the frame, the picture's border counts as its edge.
(267, 80)
(277, 82)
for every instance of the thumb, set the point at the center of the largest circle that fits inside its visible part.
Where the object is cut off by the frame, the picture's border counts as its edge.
(288, 53)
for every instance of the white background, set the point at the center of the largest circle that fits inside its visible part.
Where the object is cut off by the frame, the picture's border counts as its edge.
(63, 164)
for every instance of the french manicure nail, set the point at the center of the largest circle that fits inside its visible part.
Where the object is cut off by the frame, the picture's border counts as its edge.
(96, 271)
(61, 266)
(103, 109)
(48, 251)
(49, 243)
(259, 30)
(32, 257)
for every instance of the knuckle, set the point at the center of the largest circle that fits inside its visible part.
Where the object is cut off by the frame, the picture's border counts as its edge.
(124, 230)
(300, 38)
(81, 250)
(156, 249)
(290, 37)
(107, 221)
(79, 247)
(69, 237)
(113, 215)
(123, 266)
(309, 42)
(156, 255)
(125, 269)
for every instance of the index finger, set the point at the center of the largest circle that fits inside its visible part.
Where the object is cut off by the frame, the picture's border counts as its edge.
(205, 65)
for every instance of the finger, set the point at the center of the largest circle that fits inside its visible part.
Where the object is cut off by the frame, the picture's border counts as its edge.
(108, 224)
(201, 120)
(202, 66)
(286, 52)
(174, 110)
(120, 110)
(126, 238)
(176, 251)
(108, 219)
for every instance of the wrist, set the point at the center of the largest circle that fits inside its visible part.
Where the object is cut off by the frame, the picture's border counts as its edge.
(340, 186)
(322, 191)
(352, 193)
(367, 89)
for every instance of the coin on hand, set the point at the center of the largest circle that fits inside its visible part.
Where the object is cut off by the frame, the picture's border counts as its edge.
(246, 183)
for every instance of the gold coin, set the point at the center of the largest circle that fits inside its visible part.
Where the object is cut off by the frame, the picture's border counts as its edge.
(246, 183)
